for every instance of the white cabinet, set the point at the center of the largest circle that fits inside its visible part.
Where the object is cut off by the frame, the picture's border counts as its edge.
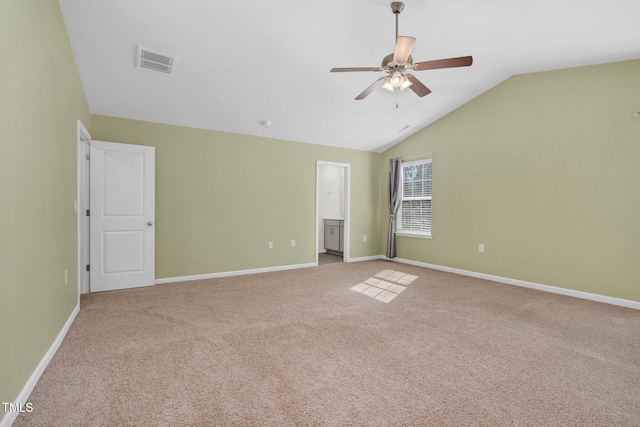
(333, 235)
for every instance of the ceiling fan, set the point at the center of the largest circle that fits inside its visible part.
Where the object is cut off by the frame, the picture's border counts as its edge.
(396, 63)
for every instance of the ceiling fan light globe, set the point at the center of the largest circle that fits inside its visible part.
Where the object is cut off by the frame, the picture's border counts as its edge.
(405, 84)
(388, 86)
(396, 79)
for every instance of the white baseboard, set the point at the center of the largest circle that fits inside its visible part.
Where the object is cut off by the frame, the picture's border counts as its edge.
(366, 258)
(232, 273)
(251, 271)
(24, 394)
(546, 288)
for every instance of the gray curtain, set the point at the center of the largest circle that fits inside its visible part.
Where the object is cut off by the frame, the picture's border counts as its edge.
(393, 197)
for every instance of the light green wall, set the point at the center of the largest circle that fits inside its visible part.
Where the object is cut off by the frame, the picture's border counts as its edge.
(544, 170)
(41, 99)
(221, 197)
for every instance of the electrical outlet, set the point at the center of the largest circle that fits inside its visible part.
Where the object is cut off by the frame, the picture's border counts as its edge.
(66, 277)
(270, 245)
(481, 247)
(364, 237)
(293, 243)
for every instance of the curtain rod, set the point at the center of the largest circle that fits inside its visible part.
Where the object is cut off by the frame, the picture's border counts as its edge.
(433, 153)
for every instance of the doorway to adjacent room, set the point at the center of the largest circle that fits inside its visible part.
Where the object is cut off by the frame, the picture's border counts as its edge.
(332, 212)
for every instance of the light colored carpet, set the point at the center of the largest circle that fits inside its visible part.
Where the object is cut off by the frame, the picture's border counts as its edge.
(300, 347)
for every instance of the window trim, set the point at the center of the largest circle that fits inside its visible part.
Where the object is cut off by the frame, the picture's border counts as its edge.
(406, 232)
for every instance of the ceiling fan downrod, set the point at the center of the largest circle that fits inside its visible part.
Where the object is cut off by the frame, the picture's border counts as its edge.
(396, 8)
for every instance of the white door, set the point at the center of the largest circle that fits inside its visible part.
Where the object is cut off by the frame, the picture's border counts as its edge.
(122, 213)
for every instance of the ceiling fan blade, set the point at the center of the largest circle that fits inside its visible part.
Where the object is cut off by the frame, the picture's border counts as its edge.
(417, 86)
(404, 45)
(368, 90)
(462, 61)
(347, 70)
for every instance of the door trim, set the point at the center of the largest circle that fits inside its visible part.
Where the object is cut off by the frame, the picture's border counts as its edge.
(347, 207)
(82, 204)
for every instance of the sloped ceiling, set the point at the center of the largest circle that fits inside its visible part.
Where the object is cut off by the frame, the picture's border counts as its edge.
(243, 62)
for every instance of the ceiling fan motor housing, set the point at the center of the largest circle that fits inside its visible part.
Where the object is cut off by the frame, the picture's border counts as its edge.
(389, 59)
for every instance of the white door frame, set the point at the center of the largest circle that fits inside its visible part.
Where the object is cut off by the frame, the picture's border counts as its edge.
(347, 206)
(82, 204)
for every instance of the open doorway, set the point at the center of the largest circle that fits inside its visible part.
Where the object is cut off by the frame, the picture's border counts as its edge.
(332, 212)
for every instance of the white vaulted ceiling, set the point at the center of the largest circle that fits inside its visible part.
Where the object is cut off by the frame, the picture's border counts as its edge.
(243, 62)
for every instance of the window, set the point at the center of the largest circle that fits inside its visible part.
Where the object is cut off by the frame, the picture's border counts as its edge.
(414, 215)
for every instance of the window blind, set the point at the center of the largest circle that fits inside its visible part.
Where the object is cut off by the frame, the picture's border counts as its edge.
(415, 211)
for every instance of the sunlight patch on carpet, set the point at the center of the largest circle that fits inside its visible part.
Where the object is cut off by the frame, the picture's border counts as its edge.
(385, 285)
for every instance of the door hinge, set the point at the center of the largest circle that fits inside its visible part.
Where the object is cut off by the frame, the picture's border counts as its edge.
(88, 268)
(87, 156)
(88, 212)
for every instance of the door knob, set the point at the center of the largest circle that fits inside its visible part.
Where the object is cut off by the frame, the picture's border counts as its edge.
(150, 223)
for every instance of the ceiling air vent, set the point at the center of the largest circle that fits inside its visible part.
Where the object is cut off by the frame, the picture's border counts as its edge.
(155, 61)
